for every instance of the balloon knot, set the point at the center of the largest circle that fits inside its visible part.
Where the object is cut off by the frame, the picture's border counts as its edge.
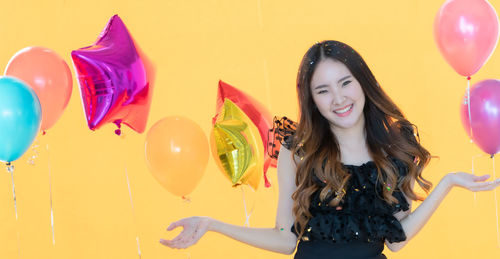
(118, 124)
(44, 132)
(267, 184)
(10, 168)
(468, 78)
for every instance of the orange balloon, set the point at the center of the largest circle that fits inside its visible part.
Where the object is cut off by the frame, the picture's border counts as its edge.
(177, 154)
(49, 76)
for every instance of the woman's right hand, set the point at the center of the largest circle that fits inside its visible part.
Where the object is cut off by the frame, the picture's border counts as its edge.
(193, 229)
(472, 182)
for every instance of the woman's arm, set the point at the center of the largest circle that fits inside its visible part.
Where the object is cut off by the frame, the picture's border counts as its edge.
(271, 239)
(278, 239)
(413, 222)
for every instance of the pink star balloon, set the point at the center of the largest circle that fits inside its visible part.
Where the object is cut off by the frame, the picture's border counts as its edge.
(116, 79)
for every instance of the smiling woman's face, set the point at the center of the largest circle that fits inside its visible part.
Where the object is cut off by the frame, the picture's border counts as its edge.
(337, 94)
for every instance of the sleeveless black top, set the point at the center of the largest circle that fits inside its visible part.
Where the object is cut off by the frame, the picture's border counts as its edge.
(358, 227)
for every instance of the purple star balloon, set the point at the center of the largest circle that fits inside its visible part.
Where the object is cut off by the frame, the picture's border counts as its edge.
(115, 78)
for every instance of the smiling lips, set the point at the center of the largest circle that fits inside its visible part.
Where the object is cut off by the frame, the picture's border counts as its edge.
(345, 111)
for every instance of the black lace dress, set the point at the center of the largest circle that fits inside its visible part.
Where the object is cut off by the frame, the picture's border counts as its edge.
(358, 227)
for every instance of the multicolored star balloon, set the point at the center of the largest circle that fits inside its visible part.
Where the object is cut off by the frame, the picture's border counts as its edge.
(236, 146)
(258, 114)
(116, 79)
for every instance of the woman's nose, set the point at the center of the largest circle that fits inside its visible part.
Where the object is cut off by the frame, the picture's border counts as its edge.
(338, 98)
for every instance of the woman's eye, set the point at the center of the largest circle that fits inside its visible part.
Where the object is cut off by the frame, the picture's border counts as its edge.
(346, 83)
(322, 91)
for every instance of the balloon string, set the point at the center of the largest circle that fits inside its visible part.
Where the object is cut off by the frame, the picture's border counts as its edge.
(132, 206)
(34, 148)
(468, 100)
(186, 201)
(468, 107)
(472, 171)
(268, 85)
(133, 211)
(496, 202)
(247, 214)
(18, 244)
(10, 169)
(50, 196)
(247, 218)
(259, 14)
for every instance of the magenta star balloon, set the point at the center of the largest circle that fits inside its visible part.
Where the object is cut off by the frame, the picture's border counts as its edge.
(115, 78)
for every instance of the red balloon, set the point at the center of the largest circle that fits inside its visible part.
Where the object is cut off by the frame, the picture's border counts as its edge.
(48, 75)
(484, 114)
(116, 79)
(257, 113)
(466, 32)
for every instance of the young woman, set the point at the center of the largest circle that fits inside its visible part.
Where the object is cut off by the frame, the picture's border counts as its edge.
(346, 170)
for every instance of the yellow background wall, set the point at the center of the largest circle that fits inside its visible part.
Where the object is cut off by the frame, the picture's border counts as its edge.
(256, 46)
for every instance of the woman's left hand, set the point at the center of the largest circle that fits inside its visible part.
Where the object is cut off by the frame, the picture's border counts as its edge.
(472, 182)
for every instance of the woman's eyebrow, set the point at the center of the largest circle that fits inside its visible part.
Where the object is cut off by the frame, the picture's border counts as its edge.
(343, 78)
(320, 86)
(324, 85)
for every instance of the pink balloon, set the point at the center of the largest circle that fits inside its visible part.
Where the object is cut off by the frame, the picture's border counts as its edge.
(485, 115)
(466, 32)
(116, 79)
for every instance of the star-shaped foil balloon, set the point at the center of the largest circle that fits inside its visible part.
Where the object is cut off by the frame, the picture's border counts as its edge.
(116, 79)
(258, 114)
(236, 146)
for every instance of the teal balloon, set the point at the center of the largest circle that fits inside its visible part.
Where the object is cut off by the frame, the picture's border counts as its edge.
(20, 118)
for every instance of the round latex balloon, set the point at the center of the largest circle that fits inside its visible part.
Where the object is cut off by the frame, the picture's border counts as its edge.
(177, 154)
(20, 118)
(484, 114)
(49, 76)
(466, 32)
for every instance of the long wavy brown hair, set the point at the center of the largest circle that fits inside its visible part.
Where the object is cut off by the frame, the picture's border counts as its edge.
(388, 134)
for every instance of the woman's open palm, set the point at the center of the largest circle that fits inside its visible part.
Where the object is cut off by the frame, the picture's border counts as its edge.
(193, 229)
(472, 182)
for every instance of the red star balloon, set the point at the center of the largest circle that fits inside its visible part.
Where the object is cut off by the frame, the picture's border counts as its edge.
(257, 113)
(116, 79)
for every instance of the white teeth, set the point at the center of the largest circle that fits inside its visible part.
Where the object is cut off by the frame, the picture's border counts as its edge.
(344, 110)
